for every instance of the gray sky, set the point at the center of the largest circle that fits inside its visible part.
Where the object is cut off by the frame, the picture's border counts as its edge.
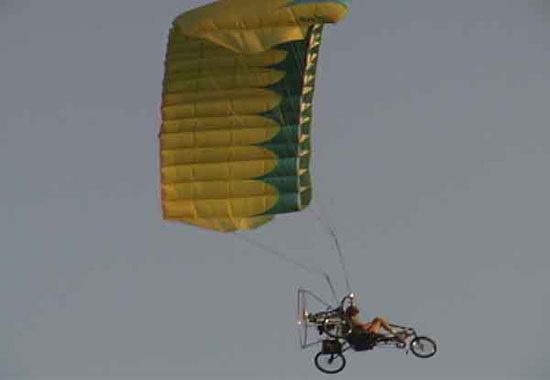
(432, 151)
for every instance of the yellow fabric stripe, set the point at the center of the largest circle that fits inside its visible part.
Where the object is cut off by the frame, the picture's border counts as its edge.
(178, 41)
(218, 138)
(217, 123)
(217, 154)
(187, 63)
(220, 208)
(247, 102)
(218, 170)
(181, 55)
(216, 73)
(222, 79)
(228, 94)
(215, 190)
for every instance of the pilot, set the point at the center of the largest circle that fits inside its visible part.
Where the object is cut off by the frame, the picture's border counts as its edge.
(373, 327)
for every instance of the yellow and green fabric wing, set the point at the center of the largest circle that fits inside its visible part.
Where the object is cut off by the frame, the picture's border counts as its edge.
(237, 110)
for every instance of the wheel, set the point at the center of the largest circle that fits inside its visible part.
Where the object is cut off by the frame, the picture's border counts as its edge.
(337, 327)
(423, 347)
(330, 362)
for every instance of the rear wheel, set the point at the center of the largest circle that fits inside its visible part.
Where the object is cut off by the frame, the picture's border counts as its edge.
(423, 347)
(330, 362)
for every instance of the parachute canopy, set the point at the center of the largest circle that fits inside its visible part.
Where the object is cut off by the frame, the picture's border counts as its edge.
(237, 110)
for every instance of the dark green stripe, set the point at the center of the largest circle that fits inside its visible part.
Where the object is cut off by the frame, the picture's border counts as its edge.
(287, 114)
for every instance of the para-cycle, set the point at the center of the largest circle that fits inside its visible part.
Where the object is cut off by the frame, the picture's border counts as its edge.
(335, 334)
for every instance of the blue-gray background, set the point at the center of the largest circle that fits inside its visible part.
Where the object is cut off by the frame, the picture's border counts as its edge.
(432, 156)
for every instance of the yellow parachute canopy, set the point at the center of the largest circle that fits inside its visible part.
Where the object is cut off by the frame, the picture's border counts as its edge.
(237, 110)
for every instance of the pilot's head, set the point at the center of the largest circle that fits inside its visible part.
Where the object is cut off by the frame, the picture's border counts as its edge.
(352, 311)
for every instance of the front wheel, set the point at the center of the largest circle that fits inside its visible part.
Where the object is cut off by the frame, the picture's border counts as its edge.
(330, 363)
(423, 347)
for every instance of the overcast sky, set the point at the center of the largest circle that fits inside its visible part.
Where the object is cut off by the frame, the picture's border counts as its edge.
(432, 157)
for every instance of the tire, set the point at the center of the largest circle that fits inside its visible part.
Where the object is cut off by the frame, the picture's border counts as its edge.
(330, 363)
(423, 347)
(337, 329)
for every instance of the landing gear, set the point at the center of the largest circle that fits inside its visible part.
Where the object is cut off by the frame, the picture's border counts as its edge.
(330, 363)
(423, 347)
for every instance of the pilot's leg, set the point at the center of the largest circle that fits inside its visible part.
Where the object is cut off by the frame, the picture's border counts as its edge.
(375, 326)
(378, 324)
(382, 323)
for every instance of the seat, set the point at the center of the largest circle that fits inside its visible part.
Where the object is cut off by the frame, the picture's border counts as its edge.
(362, 340)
